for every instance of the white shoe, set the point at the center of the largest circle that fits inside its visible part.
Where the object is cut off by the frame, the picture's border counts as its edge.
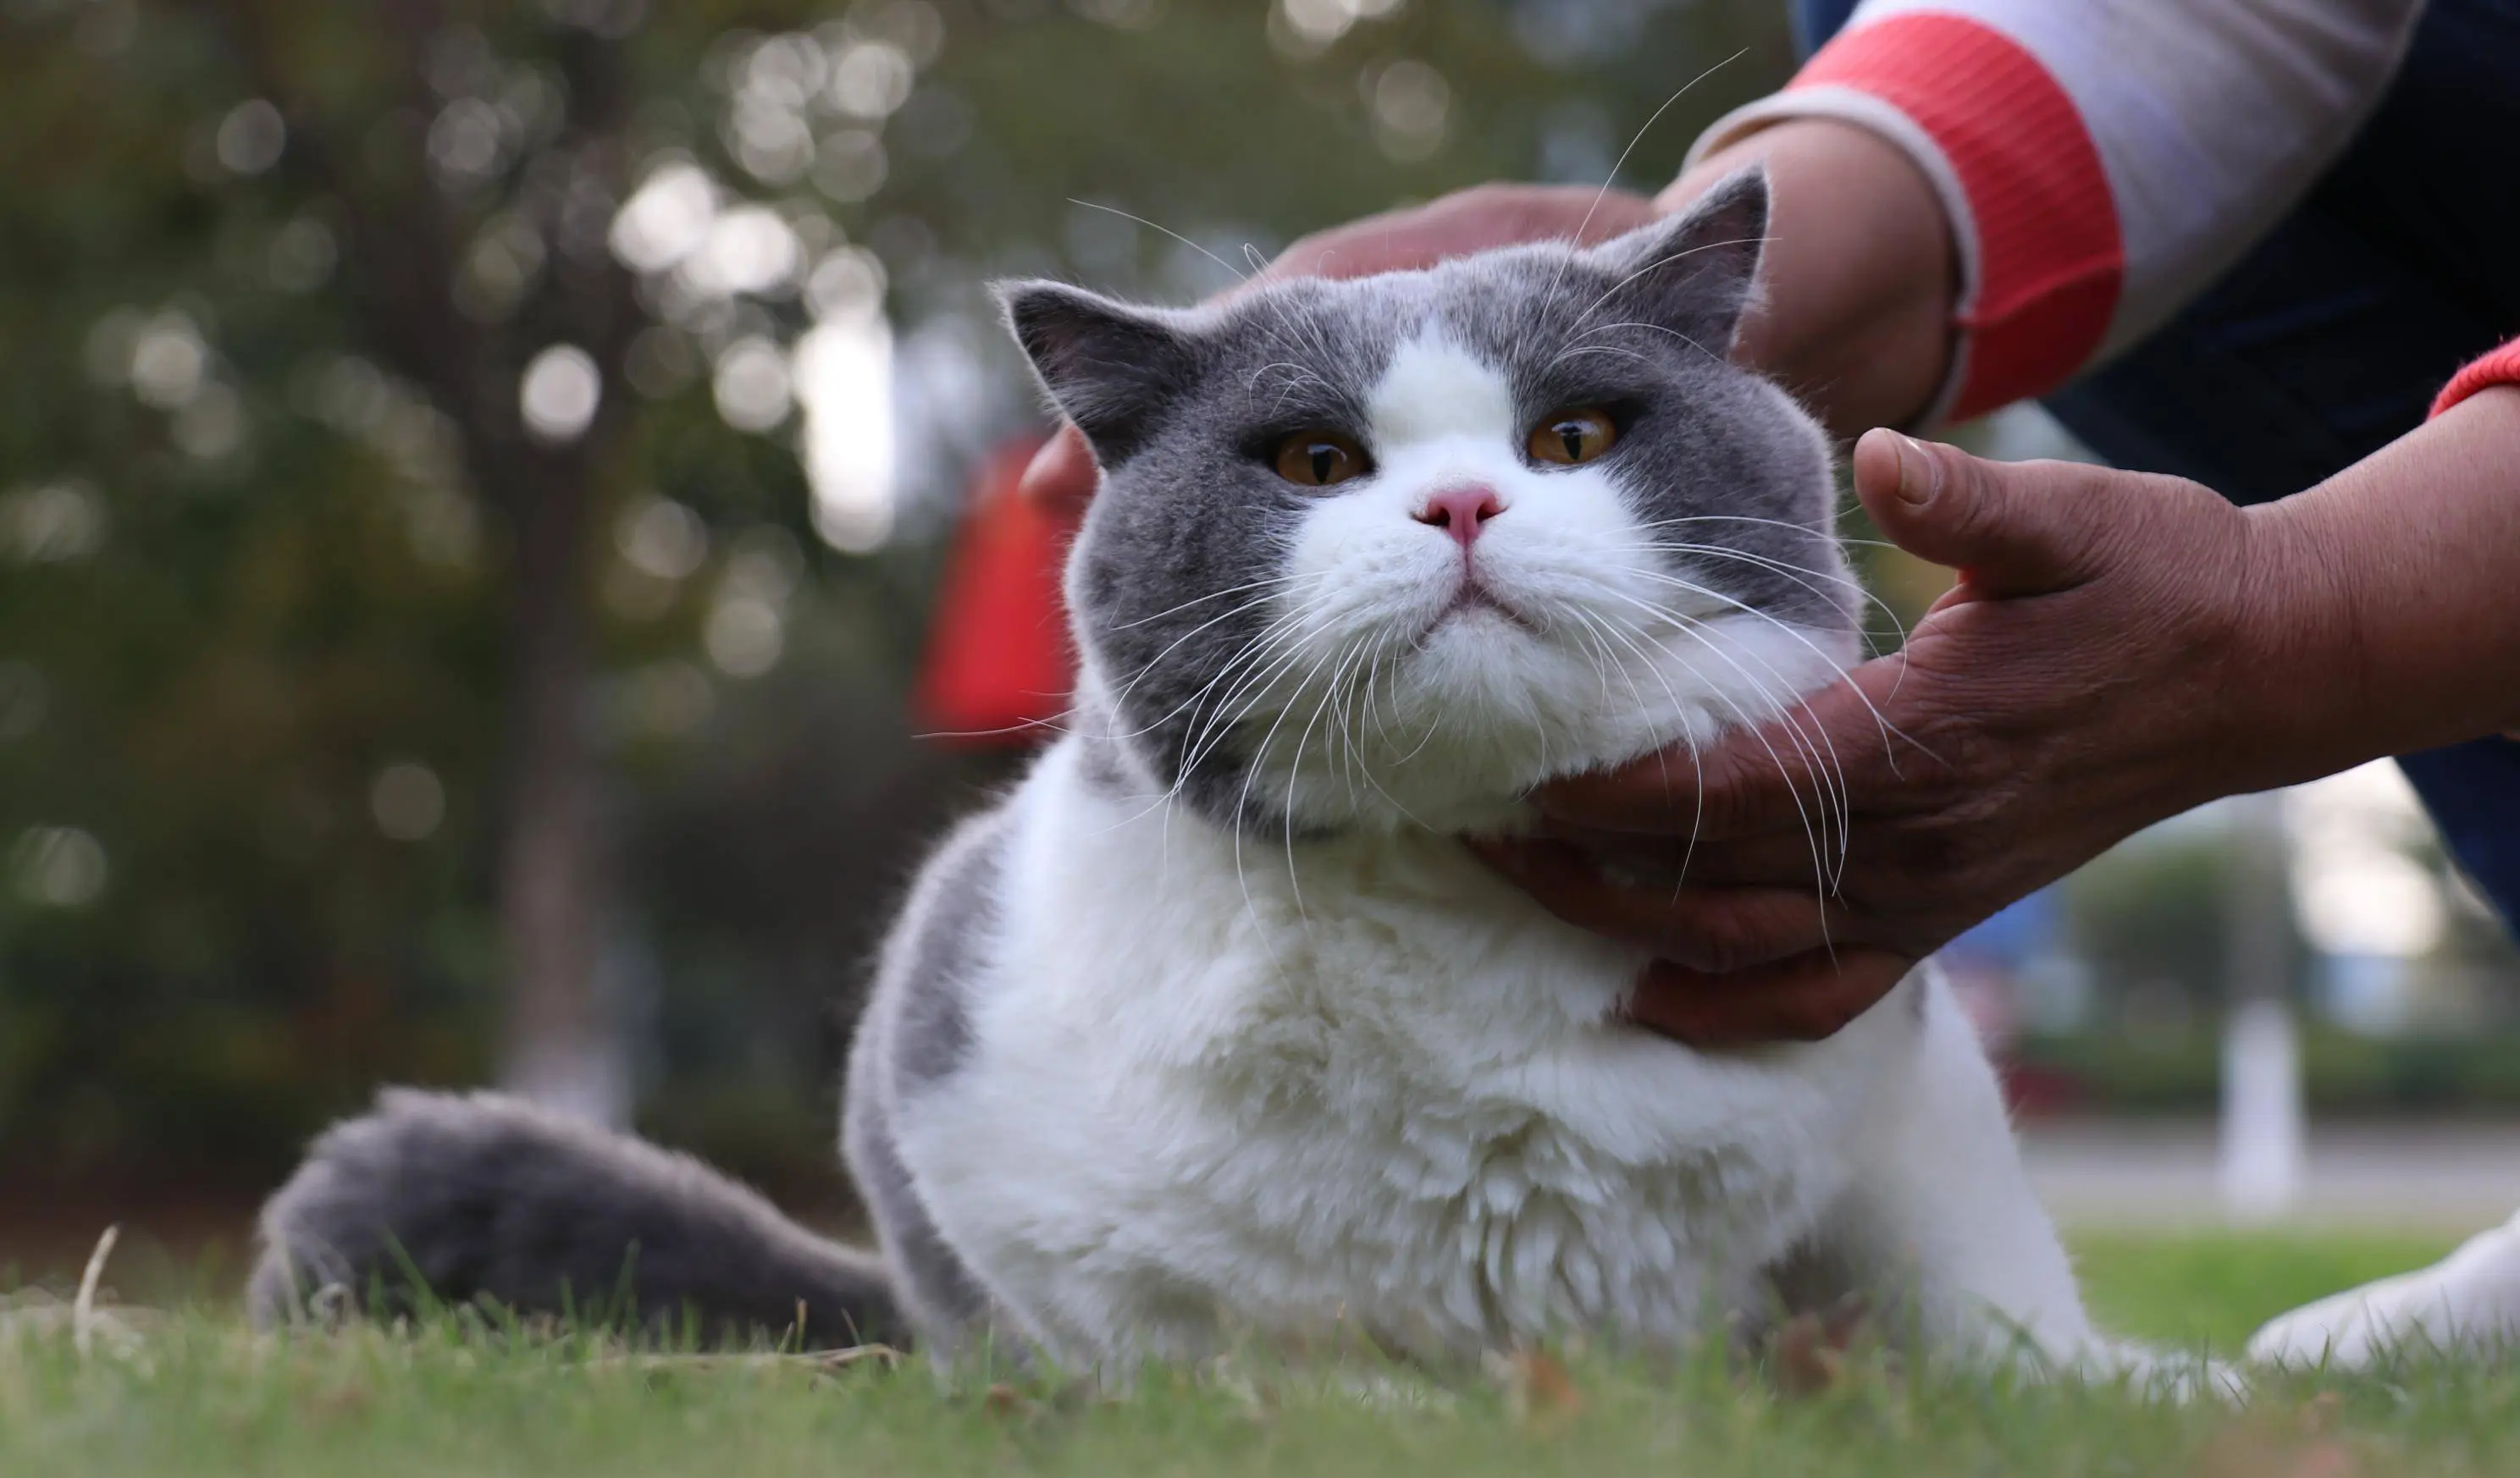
(2467, 1303)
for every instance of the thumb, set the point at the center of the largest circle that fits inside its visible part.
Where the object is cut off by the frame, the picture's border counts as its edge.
(2011, 528)
(1062, 477)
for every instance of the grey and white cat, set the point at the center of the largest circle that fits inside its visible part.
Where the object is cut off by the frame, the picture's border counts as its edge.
(1213, 1024)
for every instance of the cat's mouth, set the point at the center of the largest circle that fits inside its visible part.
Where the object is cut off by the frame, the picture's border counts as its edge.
(1474, 601)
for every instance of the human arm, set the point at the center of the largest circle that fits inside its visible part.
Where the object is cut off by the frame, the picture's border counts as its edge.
(2121, 648)
(2100, 161)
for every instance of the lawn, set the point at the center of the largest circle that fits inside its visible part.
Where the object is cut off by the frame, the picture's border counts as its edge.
(194, 1393)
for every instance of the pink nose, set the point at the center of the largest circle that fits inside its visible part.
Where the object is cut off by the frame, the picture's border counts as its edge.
(1461, 512)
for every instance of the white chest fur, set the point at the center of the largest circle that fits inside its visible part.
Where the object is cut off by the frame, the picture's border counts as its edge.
(1360, 1078)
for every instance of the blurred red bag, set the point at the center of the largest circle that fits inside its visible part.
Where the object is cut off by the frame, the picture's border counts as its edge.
(998, 667)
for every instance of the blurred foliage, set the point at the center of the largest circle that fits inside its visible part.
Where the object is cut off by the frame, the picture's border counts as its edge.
(2344, 1075)
(301, 627)
(2154, 926)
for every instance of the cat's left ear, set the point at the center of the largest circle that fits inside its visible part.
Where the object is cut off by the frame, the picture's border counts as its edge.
(1695, 273)
(1112, 367)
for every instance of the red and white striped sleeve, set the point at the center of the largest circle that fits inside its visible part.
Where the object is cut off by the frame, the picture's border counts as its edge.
(2101, 161)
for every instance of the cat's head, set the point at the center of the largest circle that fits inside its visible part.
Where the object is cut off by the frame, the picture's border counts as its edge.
(1393, 550)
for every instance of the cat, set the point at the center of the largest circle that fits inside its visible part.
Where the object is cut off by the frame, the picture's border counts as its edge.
(1213, 1024)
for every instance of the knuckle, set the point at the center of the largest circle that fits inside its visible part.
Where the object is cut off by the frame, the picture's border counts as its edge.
(1717, 941)
(1961, 755)
(1715, 955)
(1940, 851)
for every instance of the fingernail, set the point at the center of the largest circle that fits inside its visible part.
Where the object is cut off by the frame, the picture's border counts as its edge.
(1920, 473)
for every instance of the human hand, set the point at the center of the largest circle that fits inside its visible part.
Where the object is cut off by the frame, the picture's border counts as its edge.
(2094, 671)
(1062, 474)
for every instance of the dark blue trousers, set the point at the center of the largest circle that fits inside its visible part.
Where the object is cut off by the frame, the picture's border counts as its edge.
(2329, 339)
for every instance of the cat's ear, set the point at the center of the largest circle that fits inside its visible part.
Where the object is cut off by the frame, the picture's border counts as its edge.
(1111, 368)
(1695, 273)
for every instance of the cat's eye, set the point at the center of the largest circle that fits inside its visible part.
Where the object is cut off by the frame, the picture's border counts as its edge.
(1319, 459)
(1572, 437)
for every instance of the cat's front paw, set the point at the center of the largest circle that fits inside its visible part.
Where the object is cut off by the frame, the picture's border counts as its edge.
(2469, 1302)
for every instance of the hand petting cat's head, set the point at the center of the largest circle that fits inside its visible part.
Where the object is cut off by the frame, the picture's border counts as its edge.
(1392, 551)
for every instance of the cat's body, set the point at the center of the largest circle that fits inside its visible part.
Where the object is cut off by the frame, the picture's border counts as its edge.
(1179, 1092)
(1213, 1024)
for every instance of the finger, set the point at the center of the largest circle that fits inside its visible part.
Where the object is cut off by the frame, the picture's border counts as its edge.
(1808, 998)
(1469, 221)
(1713, 929)
(1800, 772)
(2012, 528)
(1782, 859)
(1396, 242)
(1062, 476)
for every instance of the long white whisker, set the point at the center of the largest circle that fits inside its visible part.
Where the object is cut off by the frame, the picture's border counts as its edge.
(1571, 349)
(1799, 527)
(1879, 719)
(1255, 681)
(1215, 595)
(1832, 779)
(1238, 274)
(1637, 138)
(1228, 666)
(1680, 710)
(1259, 760)
(1741, 240)
(1816, 834)
(1795, 572)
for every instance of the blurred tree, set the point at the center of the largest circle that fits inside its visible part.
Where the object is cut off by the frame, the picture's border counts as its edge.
(469, 473)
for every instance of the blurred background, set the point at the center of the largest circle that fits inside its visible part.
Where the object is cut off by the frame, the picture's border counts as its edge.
(475, 481)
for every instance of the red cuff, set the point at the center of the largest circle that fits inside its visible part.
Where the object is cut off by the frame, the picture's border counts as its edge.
(2048, 258)
(2502, 366)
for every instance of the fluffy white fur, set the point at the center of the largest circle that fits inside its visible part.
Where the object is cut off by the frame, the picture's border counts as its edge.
(1216, 1083)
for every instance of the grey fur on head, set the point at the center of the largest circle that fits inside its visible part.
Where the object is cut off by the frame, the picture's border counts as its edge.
(1179, 405)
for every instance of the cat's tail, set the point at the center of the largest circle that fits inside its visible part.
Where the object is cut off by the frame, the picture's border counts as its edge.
(450, 1197)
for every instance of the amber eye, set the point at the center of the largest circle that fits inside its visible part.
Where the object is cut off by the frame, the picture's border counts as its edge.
(1319, 459)
(1569, 437)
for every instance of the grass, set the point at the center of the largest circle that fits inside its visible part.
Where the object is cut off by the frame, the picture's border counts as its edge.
(194, 1393)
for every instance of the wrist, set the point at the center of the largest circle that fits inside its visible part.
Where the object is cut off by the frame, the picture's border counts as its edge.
(2380, 602)
(2299, 670)
(1860, 276)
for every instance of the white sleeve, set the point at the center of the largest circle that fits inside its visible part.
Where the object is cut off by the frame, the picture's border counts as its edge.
(2102, 159)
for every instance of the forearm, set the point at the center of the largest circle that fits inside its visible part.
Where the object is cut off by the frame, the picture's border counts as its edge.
(2098, 163)
(1857, 286)
(2388, 599)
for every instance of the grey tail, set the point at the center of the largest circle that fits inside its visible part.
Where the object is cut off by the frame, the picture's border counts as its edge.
(447, 1198)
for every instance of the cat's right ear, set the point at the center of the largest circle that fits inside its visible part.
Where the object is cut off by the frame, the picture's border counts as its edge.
(1111, 368)
(1695, 273)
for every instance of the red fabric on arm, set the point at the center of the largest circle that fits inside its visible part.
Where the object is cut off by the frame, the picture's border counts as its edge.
(2048, 256)
(2502, 366)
